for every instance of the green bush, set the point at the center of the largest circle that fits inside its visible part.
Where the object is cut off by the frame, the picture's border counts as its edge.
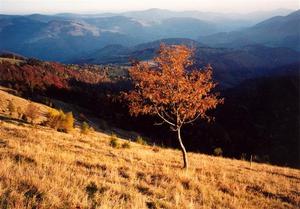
(218, 151)
(114, 141)
(140, 140)
(84, 128)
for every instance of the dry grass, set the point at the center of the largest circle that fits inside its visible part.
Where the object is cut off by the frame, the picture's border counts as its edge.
(11, 60)
(47, 169)
(19, 103)
(42, 168)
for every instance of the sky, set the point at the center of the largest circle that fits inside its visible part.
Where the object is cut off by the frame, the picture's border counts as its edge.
(93, 6)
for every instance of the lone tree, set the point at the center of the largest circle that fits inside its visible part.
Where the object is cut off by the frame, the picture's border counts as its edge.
(171, 90)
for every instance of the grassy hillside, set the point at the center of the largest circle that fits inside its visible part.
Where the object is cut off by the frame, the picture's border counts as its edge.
(43, 168)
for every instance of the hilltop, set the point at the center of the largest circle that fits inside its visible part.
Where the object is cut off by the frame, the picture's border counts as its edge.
(43, 168)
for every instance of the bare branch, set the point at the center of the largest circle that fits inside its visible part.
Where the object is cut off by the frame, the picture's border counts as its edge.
(159, 124)
(190, 121)
(167, 121)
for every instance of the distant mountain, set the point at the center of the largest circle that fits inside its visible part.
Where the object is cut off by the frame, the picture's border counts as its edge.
(62, 37)
(56, 39)
(224, 21)
(231, 65)
(118, 54)
(279, 31)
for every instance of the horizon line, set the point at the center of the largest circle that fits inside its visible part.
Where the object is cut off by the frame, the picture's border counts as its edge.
(93, 12)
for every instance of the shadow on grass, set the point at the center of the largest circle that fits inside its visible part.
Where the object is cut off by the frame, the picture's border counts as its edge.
(12, 120)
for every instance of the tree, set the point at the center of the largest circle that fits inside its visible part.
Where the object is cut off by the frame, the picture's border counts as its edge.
(169, 89)
(32, 112)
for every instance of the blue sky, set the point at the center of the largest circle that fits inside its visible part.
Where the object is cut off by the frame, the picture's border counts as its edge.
(91, 6)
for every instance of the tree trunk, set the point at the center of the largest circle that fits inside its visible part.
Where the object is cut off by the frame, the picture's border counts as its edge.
(185, 160)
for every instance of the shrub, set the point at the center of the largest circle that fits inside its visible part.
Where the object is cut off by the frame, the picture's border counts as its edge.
(140, 140)
(31, 113)
(19, 112)
(155, 149)
(67, 123)
(54, 118)
(84, 128)
(91, 189)
(114, 142)
(11, 107)
(60, 121)
(126, 145)
(218, 151)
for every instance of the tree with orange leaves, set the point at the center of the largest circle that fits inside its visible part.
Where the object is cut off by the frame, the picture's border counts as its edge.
(167, 88)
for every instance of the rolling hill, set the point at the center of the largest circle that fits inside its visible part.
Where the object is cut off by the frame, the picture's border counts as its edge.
(279, 31)
(231, 65)
(43, 168)
(64, 36)
(57, 39)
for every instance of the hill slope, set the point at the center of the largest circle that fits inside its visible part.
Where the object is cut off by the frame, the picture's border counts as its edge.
(48, 169)
(279, 31)
(231, 65)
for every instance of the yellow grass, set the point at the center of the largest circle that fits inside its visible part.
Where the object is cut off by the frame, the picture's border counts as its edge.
(11, 60)
(43, 168)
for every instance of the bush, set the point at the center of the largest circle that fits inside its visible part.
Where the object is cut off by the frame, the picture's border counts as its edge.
(84, 128)
(114, 142)
(54, 118)
(67, 124)
(140, 140)
(155, 149)
(60, 121)
(19, 112)
(91, 189)
(218, 151)
(126, 145)
(11, 107)
(32, 112)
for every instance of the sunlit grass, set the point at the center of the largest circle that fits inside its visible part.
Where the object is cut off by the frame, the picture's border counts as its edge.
(44, 168)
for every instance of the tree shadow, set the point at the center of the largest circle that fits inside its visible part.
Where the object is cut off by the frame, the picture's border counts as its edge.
(274, 173)
(12, 120)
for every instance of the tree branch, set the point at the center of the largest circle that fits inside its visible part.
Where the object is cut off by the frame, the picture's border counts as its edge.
(190, 121)
(167, 121)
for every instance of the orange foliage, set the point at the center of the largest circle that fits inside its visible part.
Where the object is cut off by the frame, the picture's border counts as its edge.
(168, 89)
